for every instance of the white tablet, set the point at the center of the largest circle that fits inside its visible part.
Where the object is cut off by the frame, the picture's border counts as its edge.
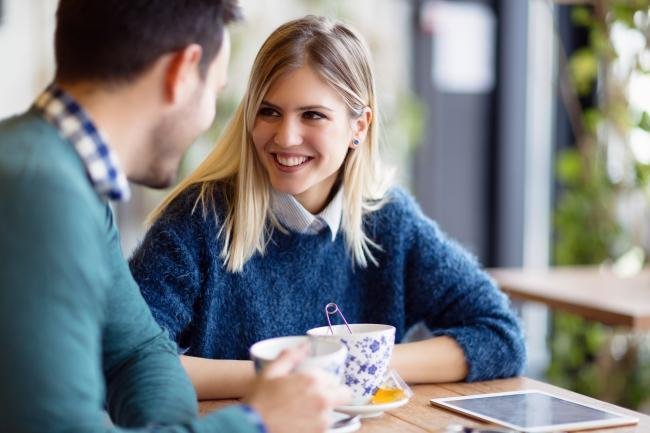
(534, 411)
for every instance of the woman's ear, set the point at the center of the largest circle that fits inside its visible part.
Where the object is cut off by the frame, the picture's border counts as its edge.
(360, 127)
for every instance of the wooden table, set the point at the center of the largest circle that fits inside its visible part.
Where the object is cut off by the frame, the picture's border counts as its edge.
(591, 292)
(418, 416)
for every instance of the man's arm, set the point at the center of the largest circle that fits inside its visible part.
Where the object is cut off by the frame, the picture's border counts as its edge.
(53, 294)
(146, 382)
(50, 313)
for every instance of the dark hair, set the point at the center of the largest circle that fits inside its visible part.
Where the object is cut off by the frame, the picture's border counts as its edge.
(116, 40)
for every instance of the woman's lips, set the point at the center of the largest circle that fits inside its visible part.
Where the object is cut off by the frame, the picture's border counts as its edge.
(290, 162)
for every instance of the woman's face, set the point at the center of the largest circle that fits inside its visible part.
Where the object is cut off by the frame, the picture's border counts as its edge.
(302, 134)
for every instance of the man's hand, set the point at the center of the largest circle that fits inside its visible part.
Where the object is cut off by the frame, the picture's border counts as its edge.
(295, 402)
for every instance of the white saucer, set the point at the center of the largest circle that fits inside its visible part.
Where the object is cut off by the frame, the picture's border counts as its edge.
(348, 427)
(371, 410)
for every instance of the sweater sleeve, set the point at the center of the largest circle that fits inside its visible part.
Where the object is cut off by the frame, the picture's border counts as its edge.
(53, 314)
(446, 289)
(166, 268)
(145, 381)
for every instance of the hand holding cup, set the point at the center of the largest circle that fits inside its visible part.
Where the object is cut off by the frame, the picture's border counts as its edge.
(291, 396)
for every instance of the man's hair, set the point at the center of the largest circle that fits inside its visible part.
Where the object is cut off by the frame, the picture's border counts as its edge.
(116, 40)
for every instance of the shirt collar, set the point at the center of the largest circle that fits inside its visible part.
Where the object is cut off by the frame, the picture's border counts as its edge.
(295, 217)
(74, 124)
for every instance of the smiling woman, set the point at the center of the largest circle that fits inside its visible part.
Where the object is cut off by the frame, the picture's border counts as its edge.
(294, 209)
(304, 65)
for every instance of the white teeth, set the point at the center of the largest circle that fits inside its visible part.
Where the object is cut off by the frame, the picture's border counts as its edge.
(291, 161)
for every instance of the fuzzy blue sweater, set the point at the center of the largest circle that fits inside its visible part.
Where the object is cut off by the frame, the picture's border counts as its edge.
(422, 277)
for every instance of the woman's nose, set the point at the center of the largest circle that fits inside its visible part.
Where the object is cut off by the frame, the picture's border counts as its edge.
(288, 133)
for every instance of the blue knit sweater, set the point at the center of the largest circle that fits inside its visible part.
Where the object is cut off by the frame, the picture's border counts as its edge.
(422, 277)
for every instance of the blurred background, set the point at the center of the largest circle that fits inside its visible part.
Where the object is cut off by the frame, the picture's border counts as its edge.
(521, 126)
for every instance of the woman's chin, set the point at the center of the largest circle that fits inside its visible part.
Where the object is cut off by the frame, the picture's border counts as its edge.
(288, 189)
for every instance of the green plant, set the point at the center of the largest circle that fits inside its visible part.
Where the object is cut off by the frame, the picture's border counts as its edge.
(598, 177)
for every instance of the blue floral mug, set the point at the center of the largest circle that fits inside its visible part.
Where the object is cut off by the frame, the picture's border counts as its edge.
(370, 347)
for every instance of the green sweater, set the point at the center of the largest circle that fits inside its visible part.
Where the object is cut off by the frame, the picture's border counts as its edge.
(77, 338)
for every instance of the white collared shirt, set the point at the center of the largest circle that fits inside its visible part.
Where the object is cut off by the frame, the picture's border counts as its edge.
(294, 216)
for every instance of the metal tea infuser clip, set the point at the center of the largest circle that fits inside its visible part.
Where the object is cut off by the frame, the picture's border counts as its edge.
(331, 309)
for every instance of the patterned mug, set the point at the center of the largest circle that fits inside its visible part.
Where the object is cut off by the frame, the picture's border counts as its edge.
(328, 356)
(370, 347)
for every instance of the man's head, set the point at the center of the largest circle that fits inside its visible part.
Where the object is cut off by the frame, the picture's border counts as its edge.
(172, 53)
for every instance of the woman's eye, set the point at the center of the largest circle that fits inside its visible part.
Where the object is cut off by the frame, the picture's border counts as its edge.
(313, 115)
(268, 112)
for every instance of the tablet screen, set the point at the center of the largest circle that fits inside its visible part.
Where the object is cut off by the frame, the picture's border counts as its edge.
(532, 410)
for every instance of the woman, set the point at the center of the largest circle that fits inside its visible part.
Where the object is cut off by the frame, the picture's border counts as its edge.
(293, 209)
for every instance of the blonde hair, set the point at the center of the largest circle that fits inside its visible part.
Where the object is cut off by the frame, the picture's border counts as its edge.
(340, 57)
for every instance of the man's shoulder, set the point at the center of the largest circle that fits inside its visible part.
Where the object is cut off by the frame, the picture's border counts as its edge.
(55, 217)
(26, 128)
(39, 167)
(30, 147)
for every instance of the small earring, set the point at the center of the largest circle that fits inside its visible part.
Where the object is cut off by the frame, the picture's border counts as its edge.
(355, 142)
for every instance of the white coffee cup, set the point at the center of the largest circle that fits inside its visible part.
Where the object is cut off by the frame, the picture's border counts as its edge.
(325, 355)
(370, 347)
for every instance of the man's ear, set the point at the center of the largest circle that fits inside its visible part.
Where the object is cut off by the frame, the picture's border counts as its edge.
(182, 73)
(360, 126)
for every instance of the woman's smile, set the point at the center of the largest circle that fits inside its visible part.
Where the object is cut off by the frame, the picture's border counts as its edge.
(289, 162)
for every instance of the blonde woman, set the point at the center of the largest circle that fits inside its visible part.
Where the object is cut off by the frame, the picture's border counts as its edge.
(294, 209)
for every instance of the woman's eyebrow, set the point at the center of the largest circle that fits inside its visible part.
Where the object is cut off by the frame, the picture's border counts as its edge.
(314, 107)
(268, 104)
(302, 108)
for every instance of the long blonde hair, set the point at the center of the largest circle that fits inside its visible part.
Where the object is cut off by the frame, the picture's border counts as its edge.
(341, 58)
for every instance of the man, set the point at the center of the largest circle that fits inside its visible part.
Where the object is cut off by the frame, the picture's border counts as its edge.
(136, 82)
